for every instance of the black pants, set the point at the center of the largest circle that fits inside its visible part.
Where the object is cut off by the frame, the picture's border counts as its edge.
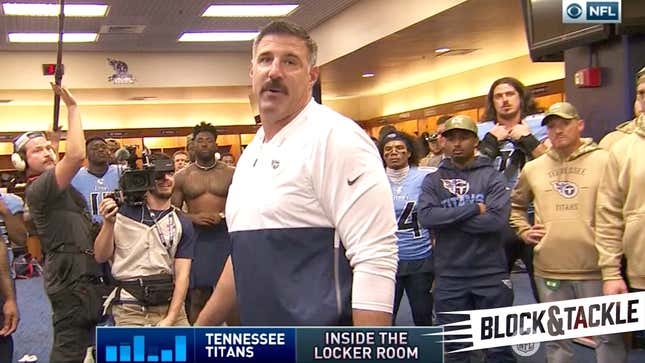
(457, 294)
(6, 349)
(196, 299)
(517, 249)
(415, 278)
(76, 311)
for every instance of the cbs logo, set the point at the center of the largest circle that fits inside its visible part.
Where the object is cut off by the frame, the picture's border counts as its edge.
(574, 11)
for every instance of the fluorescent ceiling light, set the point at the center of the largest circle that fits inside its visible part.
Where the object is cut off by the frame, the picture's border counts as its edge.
(268, 10)
(22, 9)
(52, 37)
(368, 75)
(442, 50)
(217, 36)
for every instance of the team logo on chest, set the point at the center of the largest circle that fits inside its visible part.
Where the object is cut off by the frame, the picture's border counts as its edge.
(457, 187)
(566, 189)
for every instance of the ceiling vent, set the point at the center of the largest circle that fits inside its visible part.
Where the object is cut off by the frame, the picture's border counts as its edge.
(122, 29)
(453, 52)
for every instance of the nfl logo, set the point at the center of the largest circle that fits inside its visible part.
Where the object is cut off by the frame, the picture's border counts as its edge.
(526, 349)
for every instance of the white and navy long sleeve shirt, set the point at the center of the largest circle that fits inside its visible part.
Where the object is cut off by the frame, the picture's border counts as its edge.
(312, 224)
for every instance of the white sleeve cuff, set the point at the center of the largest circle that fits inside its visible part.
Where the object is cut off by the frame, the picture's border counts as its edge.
(372, 292)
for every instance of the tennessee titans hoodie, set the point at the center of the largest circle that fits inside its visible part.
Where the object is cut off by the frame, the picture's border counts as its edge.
(468, 244)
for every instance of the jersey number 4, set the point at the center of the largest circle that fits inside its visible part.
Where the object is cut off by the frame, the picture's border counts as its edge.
(408, 220)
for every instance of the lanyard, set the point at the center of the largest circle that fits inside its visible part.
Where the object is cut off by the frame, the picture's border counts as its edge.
(171, 229)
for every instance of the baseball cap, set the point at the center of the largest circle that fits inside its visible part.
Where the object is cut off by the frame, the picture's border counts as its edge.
(20, 141)
(561, 109)
(461, 122)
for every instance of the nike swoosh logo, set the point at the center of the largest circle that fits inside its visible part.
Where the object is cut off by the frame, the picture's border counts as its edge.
(351, 182)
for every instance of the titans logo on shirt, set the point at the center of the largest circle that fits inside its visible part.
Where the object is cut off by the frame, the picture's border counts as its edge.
(565, 188)
(456, 187)
(459, 188)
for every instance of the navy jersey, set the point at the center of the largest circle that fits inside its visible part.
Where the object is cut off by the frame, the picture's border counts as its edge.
(94, 188)
(413, 240)
(468, 244)
(534, 122)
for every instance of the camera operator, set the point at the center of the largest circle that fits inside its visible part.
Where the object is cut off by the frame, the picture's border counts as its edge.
(72, 277)
(150, 245)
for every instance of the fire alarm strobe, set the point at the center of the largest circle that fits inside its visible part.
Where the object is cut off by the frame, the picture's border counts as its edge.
(587, 77)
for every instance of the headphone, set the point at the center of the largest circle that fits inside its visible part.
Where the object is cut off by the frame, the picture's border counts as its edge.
(18, 162)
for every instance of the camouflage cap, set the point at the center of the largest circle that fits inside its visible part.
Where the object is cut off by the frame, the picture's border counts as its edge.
(460, 122)
(561, 109)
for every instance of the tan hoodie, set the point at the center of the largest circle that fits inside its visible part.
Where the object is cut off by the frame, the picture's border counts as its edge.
(564, 194)
(620, 228)
(621, 131)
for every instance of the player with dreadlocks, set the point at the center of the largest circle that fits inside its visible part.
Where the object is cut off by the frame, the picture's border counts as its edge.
(203, 185)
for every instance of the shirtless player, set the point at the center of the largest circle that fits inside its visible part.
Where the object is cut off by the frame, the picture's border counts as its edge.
(203, 185)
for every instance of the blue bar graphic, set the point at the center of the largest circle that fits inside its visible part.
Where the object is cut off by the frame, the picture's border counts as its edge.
(180, 348)
(153, 358)
(124, 353)
(139, 348)
(110, 353)
(166, 355)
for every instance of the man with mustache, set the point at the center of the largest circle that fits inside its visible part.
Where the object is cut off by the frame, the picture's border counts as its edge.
(97, 179)
(512, 134)
(73, 279)
(203, 186)
(303, 192)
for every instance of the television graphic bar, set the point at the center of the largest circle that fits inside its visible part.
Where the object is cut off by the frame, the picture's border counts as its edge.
(110, 353)
(166, 355)
(180, 348)
(139, 348)
(125, 353)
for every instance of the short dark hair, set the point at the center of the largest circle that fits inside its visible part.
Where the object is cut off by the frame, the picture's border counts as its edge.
(527, 102)
(410, 143)
(442, 119)
(282, 27)
(178, 152)
(204, 127)
(94, 138)
(385, 130)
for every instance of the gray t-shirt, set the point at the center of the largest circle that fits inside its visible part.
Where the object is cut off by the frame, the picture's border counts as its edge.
(60, 218)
